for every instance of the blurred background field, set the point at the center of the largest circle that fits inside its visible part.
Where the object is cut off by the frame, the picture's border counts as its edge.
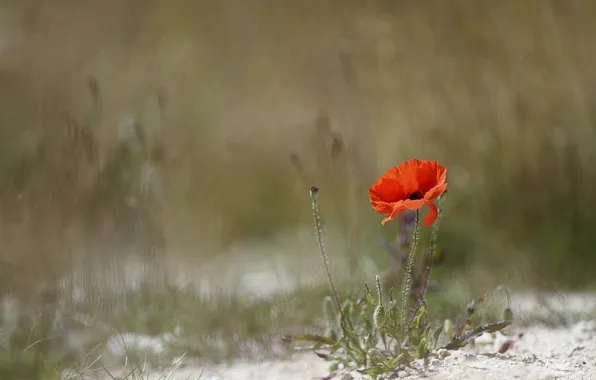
(176, 141)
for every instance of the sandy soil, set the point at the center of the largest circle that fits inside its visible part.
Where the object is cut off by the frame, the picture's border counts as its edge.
(543, 353)
(567, 351)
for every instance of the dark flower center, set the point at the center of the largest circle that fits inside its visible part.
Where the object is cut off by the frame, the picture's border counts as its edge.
(415, 195)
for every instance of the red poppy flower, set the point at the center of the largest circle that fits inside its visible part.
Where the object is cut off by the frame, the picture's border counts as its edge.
(409, 186)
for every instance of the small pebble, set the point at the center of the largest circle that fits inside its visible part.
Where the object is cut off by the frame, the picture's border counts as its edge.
(529, 358)
(506, 346)
(443, 353)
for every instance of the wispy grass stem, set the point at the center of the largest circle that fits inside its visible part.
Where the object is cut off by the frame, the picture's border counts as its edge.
(319, 231)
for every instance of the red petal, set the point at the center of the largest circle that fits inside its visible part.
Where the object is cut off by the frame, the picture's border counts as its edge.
(387, 188)
(435, 192)
(402, 206)
(432, 215)
(429, 175)
(406, 175)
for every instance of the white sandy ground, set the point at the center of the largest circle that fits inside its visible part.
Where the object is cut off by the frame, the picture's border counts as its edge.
(542, 353)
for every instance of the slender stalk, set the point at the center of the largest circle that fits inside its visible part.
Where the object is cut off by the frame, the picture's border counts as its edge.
(507, 314)
(407, 284)
(505, 290)
(422, 291)
(319, 231)
(431, 251)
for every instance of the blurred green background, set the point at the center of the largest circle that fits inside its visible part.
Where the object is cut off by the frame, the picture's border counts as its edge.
(244, 105)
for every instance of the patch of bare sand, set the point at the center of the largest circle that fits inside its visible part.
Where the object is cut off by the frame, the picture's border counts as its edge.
(543, 353)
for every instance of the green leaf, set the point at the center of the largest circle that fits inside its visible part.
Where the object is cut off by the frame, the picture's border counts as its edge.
(370, 298)
(321, 355)
(460, 341)
(437, 335)
(419, 314)
(333, 367)
(314, 338)
(373, 372)
(330, 333)
(337, 346)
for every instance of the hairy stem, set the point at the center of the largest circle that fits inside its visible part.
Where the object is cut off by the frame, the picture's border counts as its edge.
(431, 252)
(319, 231)
(407, 284)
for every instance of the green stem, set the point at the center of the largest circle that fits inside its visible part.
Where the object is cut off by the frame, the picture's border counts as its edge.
(319, 232)
(407, 284)
(432, 247)
(352, 345)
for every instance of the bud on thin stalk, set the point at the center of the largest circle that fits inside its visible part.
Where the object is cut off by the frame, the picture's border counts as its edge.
(319, 231)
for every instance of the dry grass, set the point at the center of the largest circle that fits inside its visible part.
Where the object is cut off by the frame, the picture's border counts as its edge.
(246, 104)
(500, 92)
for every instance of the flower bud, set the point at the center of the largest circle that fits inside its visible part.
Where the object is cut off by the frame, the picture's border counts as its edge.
(508, 314)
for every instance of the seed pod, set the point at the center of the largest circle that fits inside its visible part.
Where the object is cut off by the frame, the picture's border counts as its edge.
(471, 308)
(438, 256)
(378, 315)
(508, 314)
